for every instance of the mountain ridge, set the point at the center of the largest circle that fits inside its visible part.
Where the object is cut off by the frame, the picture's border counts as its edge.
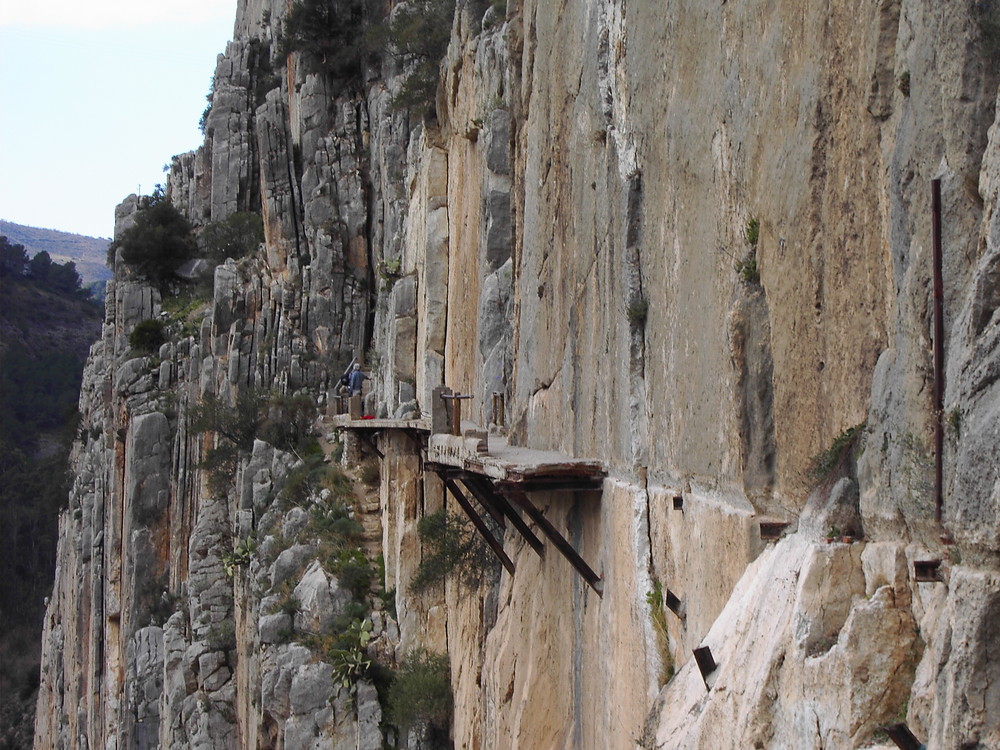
(88, 253)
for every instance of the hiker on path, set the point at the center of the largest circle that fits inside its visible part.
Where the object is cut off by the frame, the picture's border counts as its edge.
(357, 379)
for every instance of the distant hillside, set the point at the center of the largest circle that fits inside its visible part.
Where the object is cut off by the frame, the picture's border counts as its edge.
(43, 320)
(88, 253)
(45, 333)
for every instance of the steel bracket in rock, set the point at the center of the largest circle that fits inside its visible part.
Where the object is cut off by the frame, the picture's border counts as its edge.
(771, 531)
(368, 439)
(501, 479)
(484, 490)
(903, 737)
(479, 523)
(927, 571)
(706, 664)
(519, 496)
(674, 604)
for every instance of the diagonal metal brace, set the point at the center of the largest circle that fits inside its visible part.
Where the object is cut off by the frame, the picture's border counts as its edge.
(370, 443)
(485, 493)
(478, 522)
(521, 500)
(487, 502)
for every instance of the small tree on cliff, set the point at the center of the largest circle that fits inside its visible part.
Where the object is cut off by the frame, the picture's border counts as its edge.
(331, 34)
(418, 34)
(158, 243)
(232, 237)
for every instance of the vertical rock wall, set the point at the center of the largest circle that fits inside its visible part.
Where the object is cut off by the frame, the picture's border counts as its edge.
(645, 141)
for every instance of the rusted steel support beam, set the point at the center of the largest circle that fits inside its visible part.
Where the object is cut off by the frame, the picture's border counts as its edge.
(370, 442)
(586, 572)
(416, 437)
(479, 523)
(903, 737)
(498, 409)
(580, 484)
(674, 604)
(927, 571)
(706, 664)
(484, 500)
(456, 410)
(938, 351)
(483, 489)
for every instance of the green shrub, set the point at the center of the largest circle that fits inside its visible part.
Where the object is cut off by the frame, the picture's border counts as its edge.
(148, 336)
(330, 34)
(240, 557)
(234, 237)
(158, 242)
(220, 462)
(308, 478)
(903, 83)
(187, 309)
(418, 33)
(287, 423)
(265, 77)
(955, 422)
(421, 693)
(825, 463)
(203, 120)
(221, 636)
(658, 614)
(452, 546)
(370, 472)
(356, 577)
(637, 311)
(287, 602)
(350, 657)
(343, 527)
(236, 424)
(747, 268)
(752, 232)
(154, 603)
(236, 428)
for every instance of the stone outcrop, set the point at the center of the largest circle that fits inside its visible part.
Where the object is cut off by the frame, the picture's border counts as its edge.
(690, 242)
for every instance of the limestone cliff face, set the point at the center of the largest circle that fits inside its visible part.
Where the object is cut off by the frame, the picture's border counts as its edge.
(567, 232)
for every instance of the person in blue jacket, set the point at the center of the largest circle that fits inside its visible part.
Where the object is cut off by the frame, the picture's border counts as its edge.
(357, 379)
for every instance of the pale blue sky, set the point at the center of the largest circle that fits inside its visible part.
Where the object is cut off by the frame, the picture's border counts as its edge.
(95, 104)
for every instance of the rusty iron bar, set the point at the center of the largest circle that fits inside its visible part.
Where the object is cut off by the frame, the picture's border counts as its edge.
(479, 523)
(484, 500)
(370, 442)
(938, 351)
(674, 604)
(570, 484)
(772, 530)
(706, 663)
(482, 488)
(416, 437)
(586, 572)
(927, 571)
(456, 410)
(903, 737)
(498, 409)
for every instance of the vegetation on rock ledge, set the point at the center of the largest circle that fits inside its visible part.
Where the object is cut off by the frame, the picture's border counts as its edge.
(158, 243)
(421, 694)
(452, 546)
